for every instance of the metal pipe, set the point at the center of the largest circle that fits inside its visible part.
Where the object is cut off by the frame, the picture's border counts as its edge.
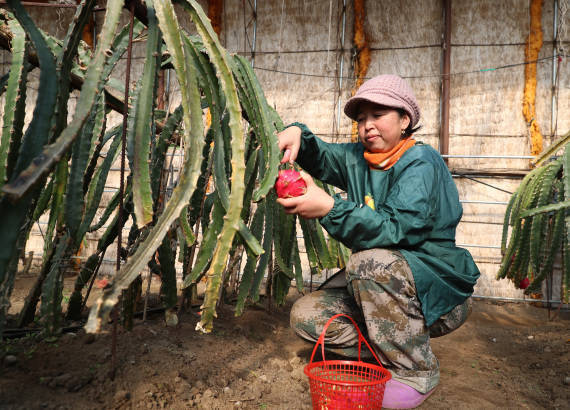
(341, 64)
(300, 237)
(554, 67)
(505, 299)
(94, 27)
(53, 5)
(490, 156)
(469, 245)
(445, 86)
(468, 221)
(463, 245)
(467, 201)
(487, 176)
(167, 87)
(498, 298)
(36, 4)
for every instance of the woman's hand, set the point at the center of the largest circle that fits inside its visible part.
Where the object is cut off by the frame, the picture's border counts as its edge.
(315, 203)
(290, 141)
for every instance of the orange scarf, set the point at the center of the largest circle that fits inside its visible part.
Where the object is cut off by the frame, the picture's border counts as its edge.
(385, 160)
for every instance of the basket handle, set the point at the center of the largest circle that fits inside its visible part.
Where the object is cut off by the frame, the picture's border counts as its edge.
(321, 340)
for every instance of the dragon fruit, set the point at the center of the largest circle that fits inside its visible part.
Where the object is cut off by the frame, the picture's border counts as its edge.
(523, 284)
(289, 184)
(102, 283)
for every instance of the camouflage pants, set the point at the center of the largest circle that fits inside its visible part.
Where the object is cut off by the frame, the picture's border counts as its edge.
(379, 293)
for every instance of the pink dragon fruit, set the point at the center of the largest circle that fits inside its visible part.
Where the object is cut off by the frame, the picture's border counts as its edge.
(523, 284)
(289, 184)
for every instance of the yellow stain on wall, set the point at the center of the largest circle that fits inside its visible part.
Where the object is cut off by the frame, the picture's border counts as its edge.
(534, 44)
(215, 11)
(362, 62)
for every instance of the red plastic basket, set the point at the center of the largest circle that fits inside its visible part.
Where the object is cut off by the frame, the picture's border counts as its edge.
(346, 384)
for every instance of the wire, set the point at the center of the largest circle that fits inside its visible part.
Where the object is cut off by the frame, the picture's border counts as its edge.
(484, 183)
(342, 50)
(421, 46)
(481, 70)
(432, 135)
(494, 44)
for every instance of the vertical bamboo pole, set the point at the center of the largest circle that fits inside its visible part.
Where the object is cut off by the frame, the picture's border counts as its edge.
(122, 186)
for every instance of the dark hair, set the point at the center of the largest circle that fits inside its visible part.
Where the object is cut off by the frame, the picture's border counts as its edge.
(408, 131)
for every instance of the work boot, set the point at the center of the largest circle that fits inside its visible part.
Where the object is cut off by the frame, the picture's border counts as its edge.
(401, 396)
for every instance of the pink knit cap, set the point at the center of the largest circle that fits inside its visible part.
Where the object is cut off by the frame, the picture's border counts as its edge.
(388, 90)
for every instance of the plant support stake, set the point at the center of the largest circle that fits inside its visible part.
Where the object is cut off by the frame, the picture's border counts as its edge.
(122, 184)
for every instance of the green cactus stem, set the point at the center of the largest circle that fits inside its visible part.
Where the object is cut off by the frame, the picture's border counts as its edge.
(52, 289)
(193, 141)
(265, 128)
(74, 198)
(12, 216)
(91, 87)
(166, 259)
(87, 271)
(15, 99)
(142, 194)
(231, 221)
(245, 287)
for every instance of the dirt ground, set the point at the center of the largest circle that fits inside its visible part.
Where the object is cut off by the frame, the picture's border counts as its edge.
(506, 356)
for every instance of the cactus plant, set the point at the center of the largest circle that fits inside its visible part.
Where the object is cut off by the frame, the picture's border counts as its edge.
(538, 213)
(54, 168)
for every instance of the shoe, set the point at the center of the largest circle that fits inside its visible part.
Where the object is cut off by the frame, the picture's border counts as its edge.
(401, 396)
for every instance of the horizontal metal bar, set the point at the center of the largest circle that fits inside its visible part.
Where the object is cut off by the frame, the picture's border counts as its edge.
(111, 189)
(105, 260)
(491, 156)
(38, 4)
(487, 262)
(175, 169)
(467, 221)
(463, 201)
(317, 283)
(486, 176)
(470, 245)
(463, 245)
(468, 201)
(56, 5)
(505, 299)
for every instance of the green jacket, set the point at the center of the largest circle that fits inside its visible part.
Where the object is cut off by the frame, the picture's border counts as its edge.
(416, 210)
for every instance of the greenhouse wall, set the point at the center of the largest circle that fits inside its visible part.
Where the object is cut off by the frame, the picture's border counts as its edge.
(303, 55)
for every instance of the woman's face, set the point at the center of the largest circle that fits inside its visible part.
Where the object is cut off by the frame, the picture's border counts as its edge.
(379, 127)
